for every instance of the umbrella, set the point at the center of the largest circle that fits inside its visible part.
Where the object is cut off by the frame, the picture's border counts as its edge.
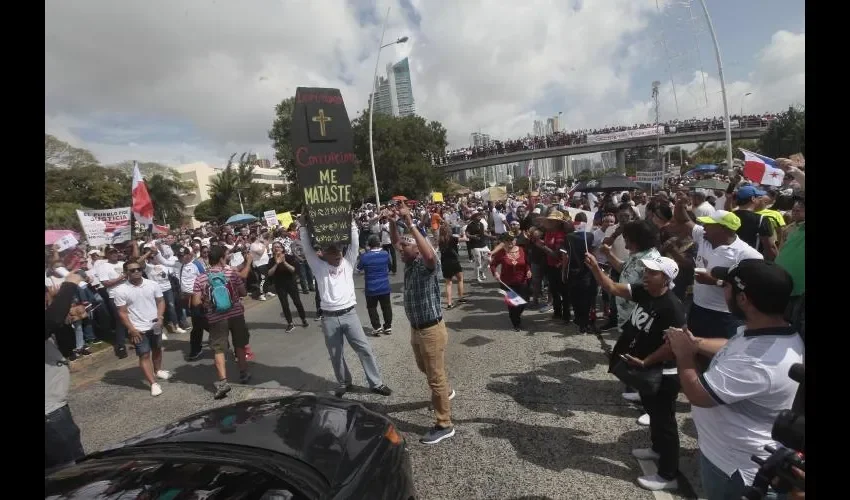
(607, 184)
(241, 219)
(51, 236)
(399, 198)
(705, 167)
(713, 184)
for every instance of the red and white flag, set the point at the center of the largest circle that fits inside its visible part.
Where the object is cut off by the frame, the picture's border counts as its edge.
(761, 169)
(142, 203)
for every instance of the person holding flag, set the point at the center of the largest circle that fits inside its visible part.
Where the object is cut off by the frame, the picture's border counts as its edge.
(142, 203)
(513, 274)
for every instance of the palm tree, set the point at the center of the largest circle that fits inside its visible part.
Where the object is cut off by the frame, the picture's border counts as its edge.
(165, 194)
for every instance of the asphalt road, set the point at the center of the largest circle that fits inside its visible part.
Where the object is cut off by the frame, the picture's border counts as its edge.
(537, 416)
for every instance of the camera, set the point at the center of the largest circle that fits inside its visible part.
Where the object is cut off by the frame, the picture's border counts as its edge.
(789, 429)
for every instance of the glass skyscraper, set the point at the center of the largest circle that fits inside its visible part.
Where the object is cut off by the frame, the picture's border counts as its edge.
(395, 92)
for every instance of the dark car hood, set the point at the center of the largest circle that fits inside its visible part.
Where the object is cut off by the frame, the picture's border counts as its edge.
(329, 434)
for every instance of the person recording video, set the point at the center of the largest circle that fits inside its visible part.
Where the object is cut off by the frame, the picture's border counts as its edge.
(736, 401)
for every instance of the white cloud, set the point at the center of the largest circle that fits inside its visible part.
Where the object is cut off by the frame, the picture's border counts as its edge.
(202, 77)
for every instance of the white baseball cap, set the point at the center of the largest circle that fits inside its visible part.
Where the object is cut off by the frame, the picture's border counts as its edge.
(666, 265)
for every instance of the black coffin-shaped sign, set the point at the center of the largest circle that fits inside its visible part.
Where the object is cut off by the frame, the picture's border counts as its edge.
(323, 144)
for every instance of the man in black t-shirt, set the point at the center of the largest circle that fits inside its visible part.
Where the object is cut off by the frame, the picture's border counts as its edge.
(755, 229)
(642, 345)
(478, 243)
(579, 280)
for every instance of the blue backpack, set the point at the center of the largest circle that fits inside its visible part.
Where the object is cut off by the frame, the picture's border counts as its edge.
(220, 292)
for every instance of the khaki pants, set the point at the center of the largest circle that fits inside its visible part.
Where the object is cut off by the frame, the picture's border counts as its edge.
(429, 349)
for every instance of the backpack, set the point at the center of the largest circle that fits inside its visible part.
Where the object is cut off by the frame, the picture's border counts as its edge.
(220, 292)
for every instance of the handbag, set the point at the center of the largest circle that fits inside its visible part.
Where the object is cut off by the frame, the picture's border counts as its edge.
(643, 380)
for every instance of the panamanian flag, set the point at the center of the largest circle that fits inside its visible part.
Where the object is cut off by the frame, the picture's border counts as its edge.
(512, 299)
(761, 169)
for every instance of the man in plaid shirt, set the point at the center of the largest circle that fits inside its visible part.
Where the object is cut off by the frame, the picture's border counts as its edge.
(428, 335)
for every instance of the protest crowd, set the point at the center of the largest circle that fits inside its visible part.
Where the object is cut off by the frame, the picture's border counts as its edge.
(705, 289)
(561, 138)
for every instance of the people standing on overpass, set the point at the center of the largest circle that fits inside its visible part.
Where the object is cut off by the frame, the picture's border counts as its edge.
(334, 274)
(428, 335)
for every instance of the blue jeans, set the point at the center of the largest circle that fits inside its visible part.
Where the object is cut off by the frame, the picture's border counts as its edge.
(306, 276)
(347, 326)
(83, 332)
(170, 311)
(716, 485)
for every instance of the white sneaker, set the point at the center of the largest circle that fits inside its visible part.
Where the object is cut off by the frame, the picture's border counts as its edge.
(645, 454)
(156, 390)
(631, 396)
(179, 330)
(164, 336)
(262, 297)
(271, 294)
(452, 395)
(163, 374)
(643, 419)
(657, 483)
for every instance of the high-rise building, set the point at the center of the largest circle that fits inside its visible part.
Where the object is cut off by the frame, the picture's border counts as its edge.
(477, 139)
(394, 95)
(539, 128)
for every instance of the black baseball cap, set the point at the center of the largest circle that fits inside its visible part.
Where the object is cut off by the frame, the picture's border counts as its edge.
(756, 277)
(182, 251)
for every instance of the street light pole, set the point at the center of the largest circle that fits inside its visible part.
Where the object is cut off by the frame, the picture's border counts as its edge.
(722, 86)
(372, 103)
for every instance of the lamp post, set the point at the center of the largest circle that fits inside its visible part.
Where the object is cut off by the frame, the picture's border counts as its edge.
(742, 103)
(722, 86)
(372, 103)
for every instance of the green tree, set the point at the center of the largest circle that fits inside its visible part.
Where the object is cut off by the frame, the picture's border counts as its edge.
(58, 153)
(90, 186)
(786, 134)
(61, 215)
(166, 194)
(403, 148)
(281, 137)
(475, 183)
(204, 211)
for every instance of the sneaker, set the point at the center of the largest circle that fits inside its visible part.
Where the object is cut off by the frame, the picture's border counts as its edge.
(290, 327)
(319, 317)
(304, 323)
(388, 330)
(546, 308)
(179, 330)
(262, 297)
(221, 389)
(84, 351)
(377, 331)
(73, 356)
(645, 454)
(94, 342)
(341, 390)
(383, 390)
(452, 395)
(634, 397)
(163, 374)
(121, 352)
(156, 389)
(244, 377)
(517, 329)
(657, 483)
(164, 336)
(462, 300)
(437, 434)
(643, 419)
(193, 356)
(271, 294)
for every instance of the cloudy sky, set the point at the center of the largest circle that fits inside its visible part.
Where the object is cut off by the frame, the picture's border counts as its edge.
(178, 81)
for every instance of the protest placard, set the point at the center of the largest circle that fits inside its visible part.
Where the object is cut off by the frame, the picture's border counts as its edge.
(323, 145)
(271, 218)
(105, 227)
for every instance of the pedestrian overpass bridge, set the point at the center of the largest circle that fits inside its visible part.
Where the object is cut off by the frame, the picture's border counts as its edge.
(620, 146)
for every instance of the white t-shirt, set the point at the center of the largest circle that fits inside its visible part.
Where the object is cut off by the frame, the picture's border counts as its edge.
(598, 236)
(259, 250)
(720, 203)
(53, 282)
(159, 273)
(236, 259)
(710, 296)
(748, 378)
(386, 236)
(140, 301)
(107, 271)
(704, 210)
(336, 284)
(498, 222)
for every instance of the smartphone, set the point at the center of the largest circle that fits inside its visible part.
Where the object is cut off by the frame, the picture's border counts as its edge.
(91, 307)
(623, 357)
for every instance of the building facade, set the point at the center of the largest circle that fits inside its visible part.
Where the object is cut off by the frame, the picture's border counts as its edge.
(477, 139)
(394, 94)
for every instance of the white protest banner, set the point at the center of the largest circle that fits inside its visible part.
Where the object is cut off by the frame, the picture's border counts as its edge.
(271, 218)
(626, 134)
(653, 177)
(105, 227)
(66, 242)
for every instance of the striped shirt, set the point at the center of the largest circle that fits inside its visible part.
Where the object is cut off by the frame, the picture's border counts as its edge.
(201, 288)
